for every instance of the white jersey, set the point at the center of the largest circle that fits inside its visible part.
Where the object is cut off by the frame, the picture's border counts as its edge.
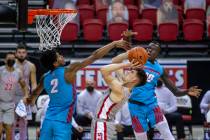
(107, 109)
(103, 124)
(9, 81)
(25, 69)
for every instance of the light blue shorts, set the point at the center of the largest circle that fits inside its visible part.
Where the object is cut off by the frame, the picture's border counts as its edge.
(142, 115)
(55, 130)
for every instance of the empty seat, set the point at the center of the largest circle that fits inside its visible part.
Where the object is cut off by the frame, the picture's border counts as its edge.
(81, 2)
(176, 2)
(101, 13)
(207, 3)
(151, 14)
(129, 2)
(168, 31)
(195, 13)
(182, 3)
(144, 27)
(133, 13)
(70, 32)
(115, 30)
(193, 29)
(85, 12)
(93, 29)
(98, 3)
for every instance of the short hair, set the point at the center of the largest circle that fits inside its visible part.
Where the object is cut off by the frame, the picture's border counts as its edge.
(156, 43)
(48, 58)
(159, 83)
(117, 1)
(21, 45)
(142, 77)
(8, 53)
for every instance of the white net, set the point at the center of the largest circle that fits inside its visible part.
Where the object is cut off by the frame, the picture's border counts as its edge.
(49, 29)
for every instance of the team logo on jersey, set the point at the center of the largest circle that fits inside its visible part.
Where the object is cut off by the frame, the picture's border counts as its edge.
(99, 136)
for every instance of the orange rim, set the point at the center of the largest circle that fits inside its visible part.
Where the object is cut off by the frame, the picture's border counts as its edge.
(32, 13)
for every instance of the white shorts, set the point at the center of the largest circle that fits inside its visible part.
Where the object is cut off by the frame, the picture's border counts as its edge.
(7, 113)
(102, 130)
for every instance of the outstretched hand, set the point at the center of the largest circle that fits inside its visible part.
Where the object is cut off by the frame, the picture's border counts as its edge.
(27, 100)
(128, 33)
(194, 91)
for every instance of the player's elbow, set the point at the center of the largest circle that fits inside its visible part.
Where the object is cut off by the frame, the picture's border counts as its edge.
(114, 60)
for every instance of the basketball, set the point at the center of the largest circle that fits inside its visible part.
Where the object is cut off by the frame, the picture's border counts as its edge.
(138, 54)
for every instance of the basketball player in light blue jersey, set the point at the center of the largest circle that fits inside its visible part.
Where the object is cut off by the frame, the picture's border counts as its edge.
(58, 83)
(143, 102)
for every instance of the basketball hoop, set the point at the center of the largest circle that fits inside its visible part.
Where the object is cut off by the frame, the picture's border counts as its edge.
(49, 25)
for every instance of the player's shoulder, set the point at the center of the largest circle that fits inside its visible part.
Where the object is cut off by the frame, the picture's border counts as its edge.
(71, 67)
(82, 94)
(157, 63)
(207, 93)
(31, 64)
(46, 74)
(159, 66)
(2, 67)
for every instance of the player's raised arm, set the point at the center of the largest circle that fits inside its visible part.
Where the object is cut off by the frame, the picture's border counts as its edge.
(113, 82)
(119, 59)
(99, 53)
(192, 91)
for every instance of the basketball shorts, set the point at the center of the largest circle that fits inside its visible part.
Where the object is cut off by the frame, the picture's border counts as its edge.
(142, 115)
(102, 130)
(55, 130)
(7, 113)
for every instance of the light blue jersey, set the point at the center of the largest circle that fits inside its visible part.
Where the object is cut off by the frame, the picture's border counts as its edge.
(143, 102)
(146, 94)
(61, 96)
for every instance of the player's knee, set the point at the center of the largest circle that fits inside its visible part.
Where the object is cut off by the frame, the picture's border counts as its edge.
(137, 125)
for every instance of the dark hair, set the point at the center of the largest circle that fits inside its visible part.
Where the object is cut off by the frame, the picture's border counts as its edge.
(12, 53)
(142, 76)
(48, 58)
(159, 83)
(156, 43)
(21, 45)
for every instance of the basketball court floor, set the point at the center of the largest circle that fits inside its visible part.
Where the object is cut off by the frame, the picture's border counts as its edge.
(198, 133)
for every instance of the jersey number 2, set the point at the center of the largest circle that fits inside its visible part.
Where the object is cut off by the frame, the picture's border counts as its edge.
(54, 84)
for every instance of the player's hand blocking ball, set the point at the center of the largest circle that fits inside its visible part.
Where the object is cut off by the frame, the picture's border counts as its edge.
(138, 54)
